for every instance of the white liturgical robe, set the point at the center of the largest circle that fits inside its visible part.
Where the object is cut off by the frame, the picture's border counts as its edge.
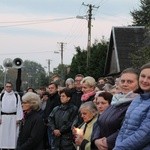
(10, 113)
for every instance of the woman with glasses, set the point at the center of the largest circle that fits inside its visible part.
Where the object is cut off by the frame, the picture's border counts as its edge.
(32, 126)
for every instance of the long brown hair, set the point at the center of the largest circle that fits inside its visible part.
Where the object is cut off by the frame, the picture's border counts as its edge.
(145, 66)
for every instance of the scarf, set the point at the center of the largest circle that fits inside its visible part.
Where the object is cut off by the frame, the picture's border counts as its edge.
(86, 96)
(122, 98)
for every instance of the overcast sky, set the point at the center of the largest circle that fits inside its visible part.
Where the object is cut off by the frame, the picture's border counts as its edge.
(33, 29)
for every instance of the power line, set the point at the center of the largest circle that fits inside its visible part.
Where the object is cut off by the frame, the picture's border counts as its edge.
(75, 28)
(37, 20)
(24, 53)
(27, 22)
(76, 32)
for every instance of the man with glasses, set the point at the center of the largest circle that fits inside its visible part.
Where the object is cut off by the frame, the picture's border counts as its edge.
(76, 96)
(10, 115)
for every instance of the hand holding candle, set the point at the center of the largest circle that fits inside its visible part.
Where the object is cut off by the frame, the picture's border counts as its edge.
(78, 136)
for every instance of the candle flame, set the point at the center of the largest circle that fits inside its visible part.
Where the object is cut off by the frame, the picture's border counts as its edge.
(79, 131)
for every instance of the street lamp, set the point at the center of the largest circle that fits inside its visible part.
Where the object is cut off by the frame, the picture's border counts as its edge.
(81, 17)
(56, 52)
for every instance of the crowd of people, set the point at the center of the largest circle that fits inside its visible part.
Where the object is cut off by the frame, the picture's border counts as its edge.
(112, 113)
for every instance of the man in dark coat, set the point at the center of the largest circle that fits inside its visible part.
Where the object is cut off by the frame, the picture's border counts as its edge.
(53, 101)
(77, 91)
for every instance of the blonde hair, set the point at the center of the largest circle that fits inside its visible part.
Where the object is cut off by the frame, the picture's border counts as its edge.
(90, 81)
(33, 99)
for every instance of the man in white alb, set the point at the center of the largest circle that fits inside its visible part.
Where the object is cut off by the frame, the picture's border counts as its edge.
(10, 115)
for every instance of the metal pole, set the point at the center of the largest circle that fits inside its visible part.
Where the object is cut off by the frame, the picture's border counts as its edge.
(89, 30)
(62, 73)
(5, 76)
(89, 34)
(18, 81)
(49, 67)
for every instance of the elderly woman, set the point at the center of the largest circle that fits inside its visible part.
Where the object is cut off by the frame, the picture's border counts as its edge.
(69, 83)
(88, 112)
(32, 126)
(88, 88)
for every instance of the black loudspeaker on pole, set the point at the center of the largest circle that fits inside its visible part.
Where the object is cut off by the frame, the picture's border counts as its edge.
(16, 63)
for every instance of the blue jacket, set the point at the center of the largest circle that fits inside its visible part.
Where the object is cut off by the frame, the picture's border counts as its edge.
(135, 131)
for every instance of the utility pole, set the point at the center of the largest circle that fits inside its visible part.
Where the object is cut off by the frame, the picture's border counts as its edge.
(49, 62)
(89, 30)
(62, 52)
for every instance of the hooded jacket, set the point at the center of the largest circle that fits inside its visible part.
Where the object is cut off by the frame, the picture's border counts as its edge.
(135, 132)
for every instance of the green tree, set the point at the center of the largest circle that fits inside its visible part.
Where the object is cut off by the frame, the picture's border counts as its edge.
(141, 17)
(11, 76)
(1, 76)
(33, 75)
(140, 57)
(62, 71)
(96, 61)
(78, 64)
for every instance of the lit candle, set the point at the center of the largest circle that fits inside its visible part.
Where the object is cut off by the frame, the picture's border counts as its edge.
(79, 131)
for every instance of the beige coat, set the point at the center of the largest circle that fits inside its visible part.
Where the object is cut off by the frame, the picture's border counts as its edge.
(88, 132)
